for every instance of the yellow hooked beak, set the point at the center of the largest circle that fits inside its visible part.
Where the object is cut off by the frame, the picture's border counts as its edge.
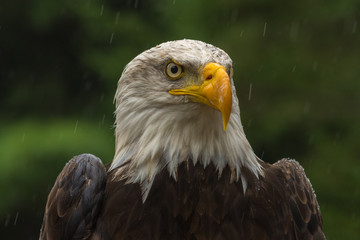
(215, 91)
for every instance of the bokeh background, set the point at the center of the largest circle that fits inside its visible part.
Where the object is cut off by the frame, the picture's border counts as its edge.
(297, 70)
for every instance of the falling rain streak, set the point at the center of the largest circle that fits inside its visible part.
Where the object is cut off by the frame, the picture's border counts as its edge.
(111, 38)
(250, 91)
(319, 99)
(102, 10)
(294, 30)
(76, 125)
(264, 31)
(354, 27)
(306, 108)
(315, 65)
(117, 17)
(7, 220)
(16, 218)
(102, 121)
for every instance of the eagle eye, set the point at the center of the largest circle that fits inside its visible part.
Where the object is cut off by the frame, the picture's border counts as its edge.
(173, 70)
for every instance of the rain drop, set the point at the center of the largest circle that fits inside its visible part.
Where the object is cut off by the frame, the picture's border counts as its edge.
(23, 137)
(76, 125)
(117, 17)
(335, 59)
(250, 91)
(353, 29)
(102, 121)
(111, 38)
(102, 10)
(315, 65)
(306, 108)
(249, 123)
(7, 220)
(234, 15)
(336, 138)
(16, 218)
(264, 31)
(311, 140)
(294, 30)
(293, 69)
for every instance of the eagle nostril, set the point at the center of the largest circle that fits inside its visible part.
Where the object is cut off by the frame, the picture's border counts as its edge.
(209, 77)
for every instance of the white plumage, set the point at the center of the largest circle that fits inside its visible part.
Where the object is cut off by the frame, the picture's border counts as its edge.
(188, 129)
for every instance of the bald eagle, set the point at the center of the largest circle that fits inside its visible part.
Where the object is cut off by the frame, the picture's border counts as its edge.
(183, 168)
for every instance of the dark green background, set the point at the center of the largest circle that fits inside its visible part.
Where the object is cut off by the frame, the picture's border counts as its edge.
(60, 62)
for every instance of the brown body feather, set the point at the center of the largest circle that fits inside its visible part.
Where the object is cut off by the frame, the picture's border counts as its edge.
(75, 200)
(199, 205)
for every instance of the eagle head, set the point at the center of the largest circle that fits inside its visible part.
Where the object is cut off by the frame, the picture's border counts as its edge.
(177, 102)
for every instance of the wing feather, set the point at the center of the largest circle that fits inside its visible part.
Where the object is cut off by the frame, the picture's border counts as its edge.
(304, 208)
(75, 199)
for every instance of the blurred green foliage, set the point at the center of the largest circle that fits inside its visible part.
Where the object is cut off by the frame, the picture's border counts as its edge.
(297, 69)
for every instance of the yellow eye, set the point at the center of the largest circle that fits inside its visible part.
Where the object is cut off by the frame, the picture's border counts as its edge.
(173, 70)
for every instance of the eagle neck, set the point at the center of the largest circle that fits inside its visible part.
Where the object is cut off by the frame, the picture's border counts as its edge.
(149, 141)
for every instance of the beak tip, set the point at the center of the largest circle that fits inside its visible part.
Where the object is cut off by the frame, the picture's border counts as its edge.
(225, 122)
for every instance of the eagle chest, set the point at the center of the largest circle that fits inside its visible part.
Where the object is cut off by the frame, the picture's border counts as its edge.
(198, 205)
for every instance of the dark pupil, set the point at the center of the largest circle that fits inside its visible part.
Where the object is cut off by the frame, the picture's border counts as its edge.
(174, 69)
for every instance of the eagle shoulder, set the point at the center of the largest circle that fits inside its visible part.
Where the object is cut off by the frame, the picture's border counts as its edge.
(75, 200)
(302, 204)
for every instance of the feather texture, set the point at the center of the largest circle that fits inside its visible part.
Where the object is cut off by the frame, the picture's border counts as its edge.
(156, 130)
(74, 202)
(280, 205)
(176, 173)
